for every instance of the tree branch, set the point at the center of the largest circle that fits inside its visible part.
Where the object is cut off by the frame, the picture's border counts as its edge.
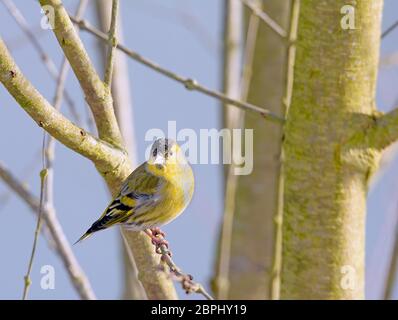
(43, 176)
(189, 83)
(104, 156)
(265, 18)
(55, 235)
(389, 30)
(186, 280)
(96, 92)
(112, 43)
(49, 64)
(381, 131)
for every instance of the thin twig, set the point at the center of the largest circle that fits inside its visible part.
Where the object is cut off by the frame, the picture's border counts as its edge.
(186, 280)
(43, 176)
(48, 62)
(389, 29)
(112, 44)
(18, 41)
(265, 18)
(248, 55)
(189, 83)
(26, 173)
(55, 235)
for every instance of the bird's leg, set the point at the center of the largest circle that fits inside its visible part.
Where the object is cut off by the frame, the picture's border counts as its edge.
(157, 237)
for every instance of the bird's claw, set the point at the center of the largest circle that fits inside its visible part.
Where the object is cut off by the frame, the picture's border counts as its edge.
(157, 232)
(158, 240)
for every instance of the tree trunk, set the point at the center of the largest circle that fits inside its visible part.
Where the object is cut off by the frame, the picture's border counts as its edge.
(326, 182)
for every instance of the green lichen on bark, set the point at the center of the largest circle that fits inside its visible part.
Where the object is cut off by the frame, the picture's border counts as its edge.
(326, 182)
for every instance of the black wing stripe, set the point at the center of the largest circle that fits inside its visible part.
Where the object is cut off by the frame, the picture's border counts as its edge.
(118, 206)
(100, 224)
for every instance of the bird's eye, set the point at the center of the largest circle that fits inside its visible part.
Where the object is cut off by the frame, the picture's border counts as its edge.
(155, 152)
(170, 153)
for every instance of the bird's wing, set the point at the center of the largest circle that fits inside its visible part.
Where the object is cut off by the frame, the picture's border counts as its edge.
(138, 193)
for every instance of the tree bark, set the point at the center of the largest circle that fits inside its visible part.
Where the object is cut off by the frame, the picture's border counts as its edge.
(326, 178)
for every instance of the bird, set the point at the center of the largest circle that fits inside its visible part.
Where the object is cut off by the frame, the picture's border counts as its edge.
(154, 194)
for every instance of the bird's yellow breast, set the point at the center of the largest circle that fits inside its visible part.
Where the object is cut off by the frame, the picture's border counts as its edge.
(174, 193)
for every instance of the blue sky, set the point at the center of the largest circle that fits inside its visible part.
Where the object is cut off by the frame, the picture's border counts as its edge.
(183, 36)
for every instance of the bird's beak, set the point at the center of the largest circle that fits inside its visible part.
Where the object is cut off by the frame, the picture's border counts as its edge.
(159, 161)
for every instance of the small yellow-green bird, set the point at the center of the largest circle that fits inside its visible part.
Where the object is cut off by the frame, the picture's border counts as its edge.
(154, 194)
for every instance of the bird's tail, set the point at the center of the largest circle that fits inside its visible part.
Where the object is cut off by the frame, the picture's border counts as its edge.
(84, 236)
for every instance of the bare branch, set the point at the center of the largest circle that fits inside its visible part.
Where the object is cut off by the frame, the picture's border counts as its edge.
(381, 130)
(112, 43)
(48, 62)
(265, 18)
(26, 173)
(189, 83)
(96, 92)
(104, 156)
(43, 176)
(55, 235)
(389, 29)
(186, 280)
(275, 282)
(248, 55)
